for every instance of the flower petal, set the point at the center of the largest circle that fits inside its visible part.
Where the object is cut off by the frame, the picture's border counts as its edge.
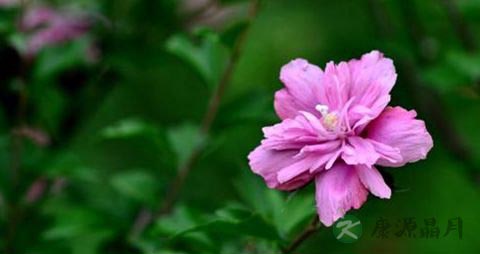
(302, 81)
(285, 104)
(398, 128)
(267, 164)
(338, 190)
(373, 181)
(372, 79)
(387, 152)
(334, 91)
(359, 151)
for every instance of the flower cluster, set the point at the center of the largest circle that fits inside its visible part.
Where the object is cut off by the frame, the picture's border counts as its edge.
(46, 26)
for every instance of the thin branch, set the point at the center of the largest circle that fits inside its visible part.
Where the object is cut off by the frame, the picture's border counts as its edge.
(208, 119)
(304, 235)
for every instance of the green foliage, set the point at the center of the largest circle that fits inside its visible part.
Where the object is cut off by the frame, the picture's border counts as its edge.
(184, 140)
(90, 147)
(136, 185)
(458, 70)
(208, 57)
(126, 128)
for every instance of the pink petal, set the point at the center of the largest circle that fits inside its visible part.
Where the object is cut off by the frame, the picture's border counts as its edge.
(387, 152)
(335, 87)
(359, 151)
(373, 181)
(398, 128)
(337, 191)
(286, 105)
(268, 163)
(302, 81)
(305, 129)
(372, 79)
(372, 76)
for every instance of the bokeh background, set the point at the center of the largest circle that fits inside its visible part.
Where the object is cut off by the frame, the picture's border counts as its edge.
(104, 146)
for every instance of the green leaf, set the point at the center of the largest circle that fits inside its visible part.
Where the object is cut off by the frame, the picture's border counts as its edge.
(443, 78)
(126, 128)
(182, 220)
(253, 107)
(185, 139)
(465, 63)
(286, 213)
(296, 209)
(70, 221)
(8, 17)
(52, 60)
(137, 185)
(208, 57)
(232, 221)
(458, 69)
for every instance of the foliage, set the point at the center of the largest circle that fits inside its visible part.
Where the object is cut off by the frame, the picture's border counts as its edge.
(95, 131)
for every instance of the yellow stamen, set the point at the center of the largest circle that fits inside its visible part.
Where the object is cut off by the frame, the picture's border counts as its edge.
(330, 121)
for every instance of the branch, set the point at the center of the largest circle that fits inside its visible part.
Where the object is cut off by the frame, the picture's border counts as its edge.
(304, 235)
(208, 119)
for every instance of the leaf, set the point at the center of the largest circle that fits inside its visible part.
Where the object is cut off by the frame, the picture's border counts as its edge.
(181, 220)
(458, 69)
(70, 221)
(465, 63)
(126, 128)
(286, 213)
(208, 58)
(252, 107)
(443, 78)
(64, 164)
(184, 139)
(7, 20)
(53, 60)
(297, 209)
(233, 221)
(137, 185)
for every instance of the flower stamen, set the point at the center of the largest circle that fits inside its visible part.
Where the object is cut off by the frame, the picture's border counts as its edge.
(330, 119)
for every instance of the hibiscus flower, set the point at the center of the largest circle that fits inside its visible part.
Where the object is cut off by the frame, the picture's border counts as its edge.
(336, 127)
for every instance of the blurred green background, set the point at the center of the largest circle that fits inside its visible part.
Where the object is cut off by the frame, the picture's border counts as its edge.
(90, 147)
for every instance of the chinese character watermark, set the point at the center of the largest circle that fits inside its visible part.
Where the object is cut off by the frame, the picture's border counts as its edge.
(408, 228)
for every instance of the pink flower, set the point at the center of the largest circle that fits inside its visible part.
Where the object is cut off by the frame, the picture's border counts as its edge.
(8, 3)
(335, 128)
(47, 27)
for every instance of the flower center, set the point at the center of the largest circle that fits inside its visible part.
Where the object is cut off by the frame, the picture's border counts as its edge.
(329, 119)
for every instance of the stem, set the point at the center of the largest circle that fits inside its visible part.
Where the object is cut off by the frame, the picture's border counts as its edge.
(304, 235)
(208, 119)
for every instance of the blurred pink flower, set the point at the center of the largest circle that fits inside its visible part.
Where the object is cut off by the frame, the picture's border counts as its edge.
(47, 26)
(8, 3)
(335, 128)
(37, 136)
(36, 191)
